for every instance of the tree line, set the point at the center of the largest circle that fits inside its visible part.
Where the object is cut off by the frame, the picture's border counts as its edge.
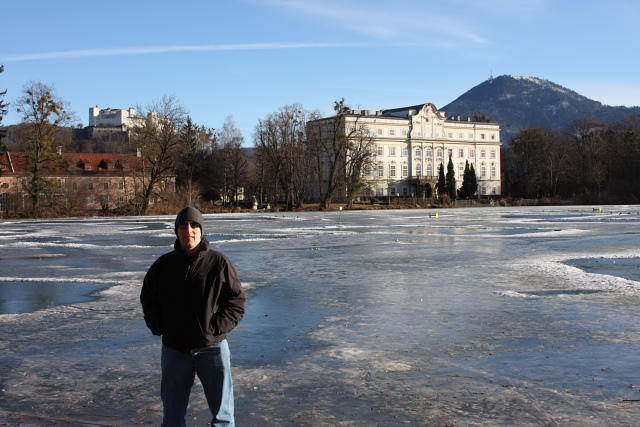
(299, 156)
(290, 163)
(589, 161)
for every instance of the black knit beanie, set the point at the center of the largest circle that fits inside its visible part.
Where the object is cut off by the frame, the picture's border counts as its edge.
(189, 214)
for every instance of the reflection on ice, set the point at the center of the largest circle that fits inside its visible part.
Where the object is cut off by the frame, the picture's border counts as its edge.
(26, 296)
(627, 268)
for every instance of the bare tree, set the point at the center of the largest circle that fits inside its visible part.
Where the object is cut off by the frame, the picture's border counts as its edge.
(588, 157)
(340, 149)
(234, 161)
(623, 156)
(157, 137)
(360, 157)
(44, 113)
(3, 112)
(283, 153)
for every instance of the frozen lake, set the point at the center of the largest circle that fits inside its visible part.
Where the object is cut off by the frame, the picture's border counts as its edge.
(486, 316)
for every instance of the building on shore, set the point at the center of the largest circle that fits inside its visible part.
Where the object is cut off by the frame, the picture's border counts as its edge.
(76, 181)
(411, 143)
(109, 124)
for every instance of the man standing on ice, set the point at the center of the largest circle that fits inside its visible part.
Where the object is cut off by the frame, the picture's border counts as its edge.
(192, 296)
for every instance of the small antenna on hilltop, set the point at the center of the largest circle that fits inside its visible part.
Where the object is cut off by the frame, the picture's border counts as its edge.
(491, 76)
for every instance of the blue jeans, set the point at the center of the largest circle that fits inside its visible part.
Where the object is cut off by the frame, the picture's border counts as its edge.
(213, 366)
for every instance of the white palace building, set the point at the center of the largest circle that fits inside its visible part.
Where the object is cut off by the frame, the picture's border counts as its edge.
(412, 142)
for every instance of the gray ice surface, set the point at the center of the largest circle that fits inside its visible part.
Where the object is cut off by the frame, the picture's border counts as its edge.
(479, 317)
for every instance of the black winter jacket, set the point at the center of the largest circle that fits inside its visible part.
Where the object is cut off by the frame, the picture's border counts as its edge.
(192, 302)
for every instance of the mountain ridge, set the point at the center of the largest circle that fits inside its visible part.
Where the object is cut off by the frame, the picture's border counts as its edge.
(518, 102)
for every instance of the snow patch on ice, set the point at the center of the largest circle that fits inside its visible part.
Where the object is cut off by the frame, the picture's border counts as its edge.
(515, 294)
(73, 245)
(554, 265)
(56, 280)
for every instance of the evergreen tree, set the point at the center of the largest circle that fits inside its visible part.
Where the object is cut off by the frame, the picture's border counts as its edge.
(450, 180)
(196, 140)
(463, 192)
(469, 182)
(441, 186)
(472, 189)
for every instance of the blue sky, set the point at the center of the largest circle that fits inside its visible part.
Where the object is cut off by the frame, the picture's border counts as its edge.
(248, 58)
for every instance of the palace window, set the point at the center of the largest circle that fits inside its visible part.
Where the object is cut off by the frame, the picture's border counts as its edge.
(405, 151)
(461, 152)
(392, 171)
(392, 151)
(483, 154)
(380, 171)
(429, 152)
(380, 150)
(419, 169)
(405, 171)
(418, 152)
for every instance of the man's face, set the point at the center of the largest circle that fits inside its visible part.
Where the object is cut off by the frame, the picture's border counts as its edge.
(190, 235)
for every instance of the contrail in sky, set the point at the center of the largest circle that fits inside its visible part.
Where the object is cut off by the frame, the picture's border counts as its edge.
(165, 49)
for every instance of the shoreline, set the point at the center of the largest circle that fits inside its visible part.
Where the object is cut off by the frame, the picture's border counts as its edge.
(409, 204)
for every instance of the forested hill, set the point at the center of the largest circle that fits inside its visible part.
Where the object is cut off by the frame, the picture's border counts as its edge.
(520, 102)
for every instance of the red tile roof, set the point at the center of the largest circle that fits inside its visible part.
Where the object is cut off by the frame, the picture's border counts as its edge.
(16, 163)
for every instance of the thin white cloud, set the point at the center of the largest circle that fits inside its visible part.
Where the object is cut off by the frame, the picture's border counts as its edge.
(383, 20)
(167, 49)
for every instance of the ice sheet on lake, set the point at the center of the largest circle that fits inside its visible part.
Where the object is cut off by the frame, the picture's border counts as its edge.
(373, 317)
